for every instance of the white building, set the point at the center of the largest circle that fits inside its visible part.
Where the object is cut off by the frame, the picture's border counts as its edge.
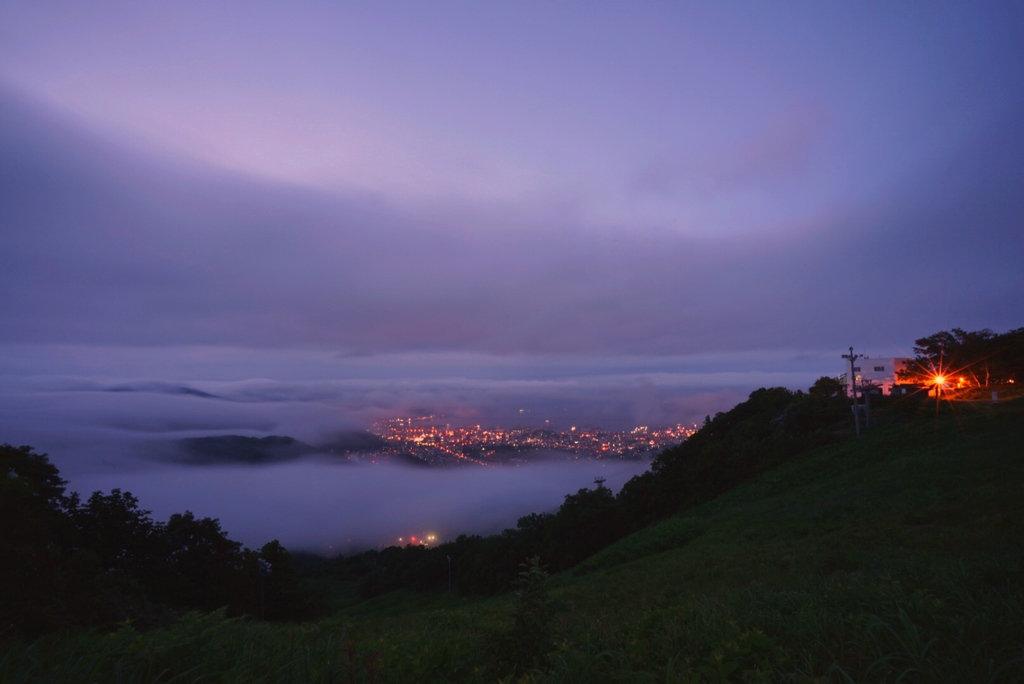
(880, 373)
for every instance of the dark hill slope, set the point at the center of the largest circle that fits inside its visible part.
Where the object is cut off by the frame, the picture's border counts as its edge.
(958, 477)
(899, 553)
(893, 557)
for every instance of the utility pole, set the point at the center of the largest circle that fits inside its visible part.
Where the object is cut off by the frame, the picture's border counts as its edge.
(853, 379)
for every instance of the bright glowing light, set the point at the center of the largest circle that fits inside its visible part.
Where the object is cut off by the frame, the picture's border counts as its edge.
(939, 380)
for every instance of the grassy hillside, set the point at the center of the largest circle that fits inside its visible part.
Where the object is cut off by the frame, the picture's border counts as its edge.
(893, 557)
(899, 553)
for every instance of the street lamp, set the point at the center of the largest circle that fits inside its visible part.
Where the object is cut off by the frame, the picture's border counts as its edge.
(940, 381)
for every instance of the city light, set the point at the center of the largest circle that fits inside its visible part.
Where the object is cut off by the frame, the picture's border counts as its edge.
(413, 540)
(427, 439)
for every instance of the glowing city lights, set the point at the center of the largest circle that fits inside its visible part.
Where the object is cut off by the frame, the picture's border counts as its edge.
(428, 439)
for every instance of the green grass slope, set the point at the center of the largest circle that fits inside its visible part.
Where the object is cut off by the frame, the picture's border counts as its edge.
(949, 486)
(893, 557)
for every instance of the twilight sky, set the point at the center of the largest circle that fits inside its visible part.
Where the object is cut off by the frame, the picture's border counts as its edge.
(614, 213)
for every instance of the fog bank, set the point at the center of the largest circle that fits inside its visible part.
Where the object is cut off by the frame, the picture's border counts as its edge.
(330, 508)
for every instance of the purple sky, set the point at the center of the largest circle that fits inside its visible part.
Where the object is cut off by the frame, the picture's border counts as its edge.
(607, 213)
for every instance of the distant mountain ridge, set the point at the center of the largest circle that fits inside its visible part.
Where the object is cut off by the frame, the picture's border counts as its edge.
(238, 449)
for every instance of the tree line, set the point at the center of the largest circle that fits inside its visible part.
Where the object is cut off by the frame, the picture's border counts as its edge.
(68, 563)
(978, 358)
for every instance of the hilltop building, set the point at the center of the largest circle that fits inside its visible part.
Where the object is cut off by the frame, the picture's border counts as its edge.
(878, 374)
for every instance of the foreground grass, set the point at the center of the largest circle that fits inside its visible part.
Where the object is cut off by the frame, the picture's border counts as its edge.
(895, 557)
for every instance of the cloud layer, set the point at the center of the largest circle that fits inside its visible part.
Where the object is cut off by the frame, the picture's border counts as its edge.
(105, 247)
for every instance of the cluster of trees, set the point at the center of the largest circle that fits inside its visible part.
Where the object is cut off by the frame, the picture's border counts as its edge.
(72, 563)
(981, 358)
(772, 425)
